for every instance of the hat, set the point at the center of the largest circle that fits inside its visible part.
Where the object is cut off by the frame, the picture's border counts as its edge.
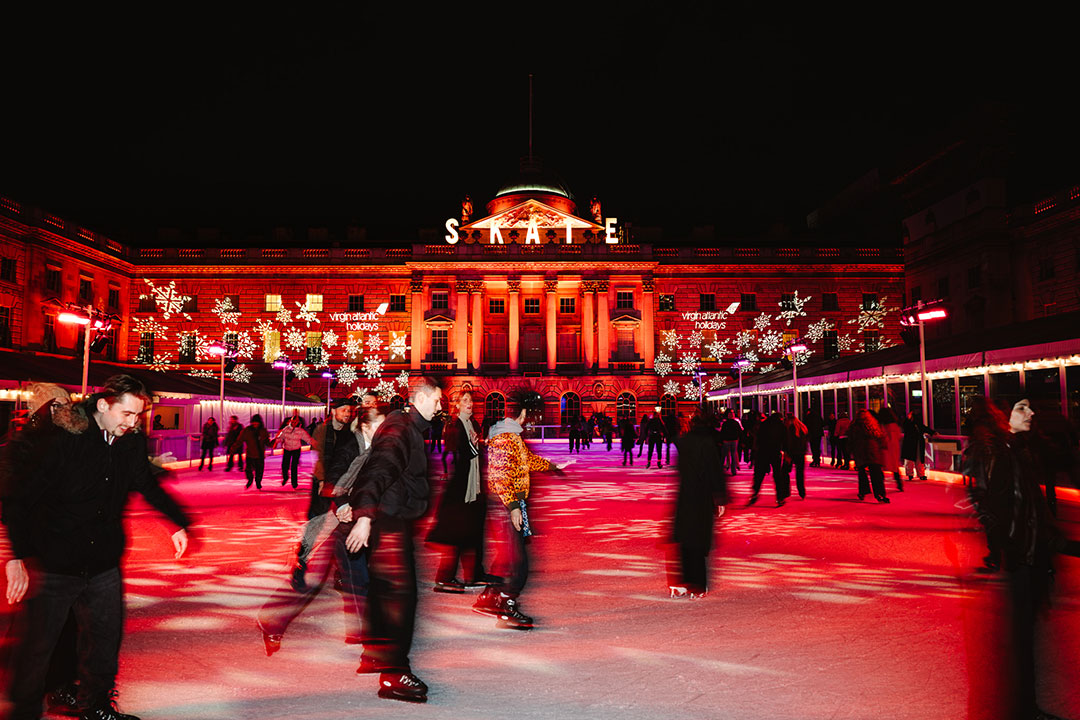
(41, 394)
(342, 402)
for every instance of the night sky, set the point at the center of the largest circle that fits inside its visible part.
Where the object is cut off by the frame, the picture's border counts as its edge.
(385, 116)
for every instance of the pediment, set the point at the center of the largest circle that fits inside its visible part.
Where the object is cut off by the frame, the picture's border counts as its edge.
(519, 216)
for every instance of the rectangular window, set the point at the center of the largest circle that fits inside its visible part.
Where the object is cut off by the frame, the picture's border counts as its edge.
(271, 345)
(440, 346)
(667, 303)
(314, 302)
(830, 302)
(440, 300)
(48, 337)
(114, 298)
(496, 306)
(707, 302)
(567, 348)
(831, 341)
(232, 341)
(748, 303)
(86, 289)
(191, 304)
(787, 301)
(146, 348)
(187, 348)
(1046, 268)
(870, 301)
(916, 294)
(567, 305)
(147, 304)
(496, 348)
(354, 344)
(7, 269)
(871, 340)
(974, 277)
(624, 344)
(5, 327)
(943, 287)
(52, 279)
(356, 303)
(624, 299)
(273, 303)
(313, 347)
(234, 302)
(397, 303)
(532, 306)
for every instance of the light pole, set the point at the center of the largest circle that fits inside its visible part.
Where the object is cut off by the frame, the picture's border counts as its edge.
(918, 314)
(285, 364)
(91, 319)
(329, 379)
(220, 350)
(740, 364)
(793, 348)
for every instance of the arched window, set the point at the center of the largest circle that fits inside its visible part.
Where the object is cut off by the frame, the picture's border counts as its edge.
(569, 408)
(625, 407)
(668, 405)
(397, 402)
(494, 407)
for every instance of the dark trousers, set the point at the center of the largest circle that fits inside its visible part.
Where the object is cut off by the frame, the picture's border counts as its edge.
(781, 480)
(239, 460)
(729, 455)
(290, 461)
(286, 603)
(390, 613)
(798, 464)
(628, 456)
(657, 443)
(815, 450)
(872, 477)
(453, 555)
(98, 605)
(575, 443)
(1027, 592)
(207, 452)
(517, 557)
(693, 561)
(840, 454)
(254, 470)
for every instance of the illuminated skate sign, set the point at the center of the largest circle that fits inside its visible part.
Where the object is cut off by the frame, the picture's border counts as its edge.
(531, 223)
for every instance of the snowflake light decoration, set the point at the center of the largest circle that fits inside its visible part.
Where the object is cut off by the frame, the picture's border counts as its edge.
(245, 346)
(845, 342)
(161, 363)
(284, 316)
(688, 363)
(693, 392)
(816, 331)
(241, 374)
(373, 366)
(398, 345)
(150, 325)
(403, 379)
(717, 381)
(750, 359)
(874, 317)
(374, 342)
(347, 374)
(695, 338)
(794, 310)
(769, 342)
(224, 309)
(323, 360)
(329, 339)
(671, 387)
(744, 339)
(385, 390)
(768, 368)
(359, 392)
(762, 321)
(670, 339)
(353, 348)
(202, 373)
(718, 349)
(302, 313)
(169, 302)
(295, 340)
(662, 364)
(263, 326)
(803, 357)
(300, 370)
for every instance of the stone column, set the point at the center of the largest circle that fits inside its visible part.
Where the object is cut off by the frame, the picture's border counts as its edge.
(588, 338)
(461, 325)
(477, 289)
(648, 336)
(551, 298)
(514, 337)
(419, 342)
(603, 323)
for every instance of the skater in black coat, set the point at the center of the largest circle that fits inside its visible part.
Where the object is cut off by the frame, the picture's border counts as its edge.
(702, 496)
(627, 437)
(768, 454)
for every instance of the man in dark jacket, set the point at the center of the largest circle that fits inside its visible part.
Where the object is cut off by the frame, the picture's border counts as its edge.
(815, 431)
(231, 435)
(392, 494)
(730, 432)
(768, 454)
(69, 522)
(654, 435)
(672, 423)
(253, 441)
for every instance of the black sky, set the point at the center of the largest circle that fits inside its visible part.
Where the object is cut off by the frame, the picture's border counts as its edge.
(387, 115)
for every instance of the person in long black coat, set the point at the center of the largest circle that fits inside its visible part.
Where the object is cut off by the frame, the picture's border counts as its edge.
(702, 496)
(769, 446)
(459, 520)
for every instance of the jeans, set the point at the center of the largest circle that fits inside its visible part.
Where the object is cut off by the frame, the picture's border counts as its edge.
(290, 460)
(98, 605)
(239, 459)
(657, 443)
(781, 479)
(729, 455)
(207, 453)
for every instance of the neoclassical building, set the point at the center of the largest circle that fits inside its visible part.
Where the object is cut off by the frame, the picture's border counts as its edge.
(593, 312)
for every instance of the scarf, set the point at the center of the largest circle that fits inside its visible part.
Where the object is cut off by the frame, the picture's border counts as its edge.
(472, 488)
